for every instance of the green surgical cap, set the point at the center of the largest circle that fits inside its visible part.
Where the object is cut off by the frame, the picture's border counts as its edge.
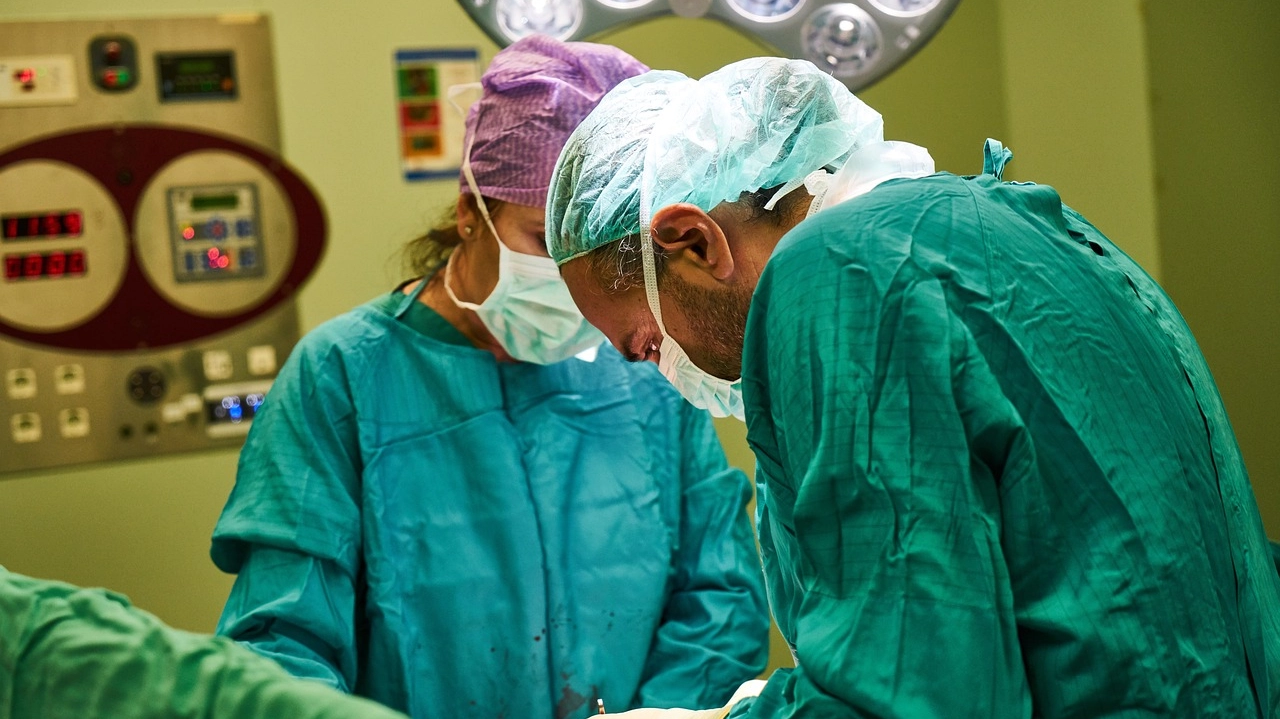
(754, 124)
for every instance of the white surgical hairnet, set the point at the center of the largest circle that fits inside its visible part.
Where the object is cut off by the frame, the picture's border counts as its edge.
(753, 124)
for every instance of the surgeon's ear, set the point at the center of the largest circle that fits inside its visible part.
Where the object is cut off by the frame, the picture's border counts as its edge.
(468, 217)
(689, 233)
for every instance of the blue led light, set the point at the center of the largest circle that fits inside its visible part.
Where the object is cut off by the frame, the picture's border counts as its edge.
(254, 401)
(235, 412)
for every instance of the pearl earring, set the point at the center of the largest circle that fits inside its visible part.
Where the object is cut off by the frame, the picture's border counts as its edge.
(467, 229)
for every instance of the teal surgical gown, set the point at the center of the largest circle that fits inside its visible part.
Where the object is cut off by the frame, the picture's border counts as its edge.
(414, 522)
(72, 653)
(997, 478)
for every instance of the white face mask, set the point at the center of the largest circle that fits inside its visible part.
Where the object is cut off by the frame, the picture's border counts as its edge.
(720, 397)
(529, 312)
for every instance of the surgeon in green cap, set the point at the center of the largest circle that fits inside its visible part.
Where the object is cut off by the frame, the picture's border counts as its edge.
(996, 479)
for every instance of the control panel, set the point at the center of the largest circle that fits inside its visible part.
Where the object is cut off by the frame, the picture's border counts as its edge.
(152, 239)
(214, 230)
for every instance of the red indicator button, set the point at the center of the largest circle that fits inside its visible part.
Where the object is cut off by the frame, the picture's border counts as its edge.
(217, 259)
(26, 77)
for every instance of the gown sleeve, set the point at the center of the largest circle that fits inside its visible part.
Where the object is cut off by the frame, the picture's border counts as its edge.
(714, 633)
(291, 528)
(78, 653)
(886, 432)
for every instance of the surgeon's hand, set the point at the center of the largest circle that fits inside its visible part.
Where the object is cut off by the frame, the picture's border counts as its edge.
(749, 689)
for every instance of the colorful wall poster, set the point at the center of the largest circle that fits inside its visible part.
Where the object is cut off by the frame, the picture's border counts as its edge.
(431, 131)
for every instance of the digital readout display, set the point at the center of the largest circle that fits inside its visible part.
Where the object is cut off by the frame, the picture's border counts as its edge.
(216, 232)
(42, 225)
(201, 203)
(196, 77)
(37, 265)
(193, 65)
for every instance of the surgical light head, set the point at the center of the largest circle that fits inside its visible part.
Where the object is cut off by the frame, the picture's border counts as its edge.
(856, 41)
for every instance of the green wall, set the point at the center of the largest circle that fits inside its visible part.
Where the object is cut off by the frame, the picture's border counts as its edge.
(1215, 82)
(1076, 97)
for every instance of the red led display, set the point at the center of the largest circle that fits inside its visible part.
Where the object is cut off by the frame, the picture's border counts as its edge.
(45, 225)
(34, 265)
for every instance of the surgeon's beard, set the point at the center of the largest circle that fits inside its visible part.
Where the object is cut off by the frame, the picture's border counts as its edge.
(717, 319)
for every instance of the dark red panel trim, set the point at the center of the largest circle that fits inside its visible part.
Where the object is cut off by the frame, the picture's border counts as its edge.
(124, 159)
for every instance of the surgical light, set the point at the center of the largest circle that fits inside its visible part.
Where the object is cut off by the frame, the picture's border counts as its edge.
(766, 10)
(905, 8)
(857, 41)
(557, 18)
(624, 4)
(841, 39)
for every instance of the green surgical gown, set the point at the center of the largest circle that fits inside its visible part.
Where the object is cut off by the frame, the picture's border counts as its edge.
(414, 522)
(72, 653)
(997, 478)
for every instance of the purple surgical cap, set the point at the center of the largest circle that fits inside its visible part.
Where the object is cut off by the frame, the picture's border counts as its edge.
(535, 93)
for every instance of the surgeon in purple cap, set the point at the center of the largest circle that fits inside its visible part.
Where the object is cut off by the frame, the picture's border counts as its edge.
(459, 501)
